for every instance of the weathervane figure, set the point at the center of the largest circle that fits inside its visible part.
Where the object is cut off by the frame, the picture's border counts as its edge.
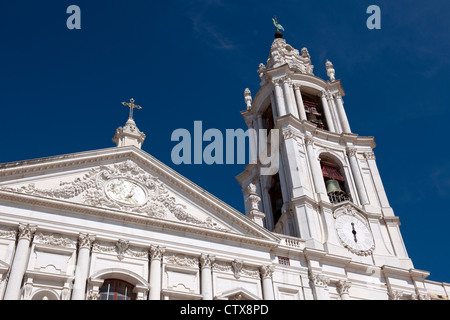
(277, 25)
(132, 106)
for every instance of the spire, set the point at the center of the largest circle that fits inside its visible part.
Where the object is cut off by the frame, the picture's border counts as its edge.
(129, 135)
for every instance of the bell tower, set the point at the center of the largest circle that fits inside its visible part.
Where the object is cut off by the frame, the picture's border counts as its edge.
(327, 191)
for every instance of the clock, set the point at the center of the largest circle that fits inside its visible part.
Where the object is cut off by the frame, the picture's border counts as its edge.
(354, 234)
(126, 192)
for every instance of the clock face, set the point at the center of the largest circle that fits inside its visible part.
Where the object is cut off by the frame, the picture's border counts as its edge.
(355, 234)
(126, 192)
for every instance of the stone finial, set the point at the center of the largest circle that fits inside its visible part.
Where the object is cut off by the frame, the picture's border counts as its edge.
(129, 135)
(253, 202)
(248, 98)
(330, 70)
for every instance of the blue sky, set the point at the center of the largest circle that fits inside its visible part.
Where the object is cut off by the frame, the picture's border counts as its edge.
(185, 61)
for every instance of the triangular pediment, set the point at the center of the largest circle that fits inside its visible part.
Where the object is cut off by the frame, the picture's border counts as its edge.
(237, 294)
(126, 183)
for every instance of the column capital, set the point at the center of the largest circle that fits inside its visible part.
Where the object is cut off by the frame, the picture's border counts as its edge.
(26, 231)
(266, 271)
(309, 140)
(351, 151)
(156, 252)
(319, 280)
(277, 82)
(85, 240)
(343, 287)
(369, 155)
(206, 260)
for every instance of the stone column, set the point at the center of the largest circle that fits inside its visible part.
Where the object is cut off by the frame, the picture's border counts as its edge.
(326, 110)
(267, 284)
(19, 264)
(300, 105)
(317, 175)
(279, 98)
(342, 114)
(156, 255)
(85, 242)
(274, 106)
(343, 287)
(334, 114)
(293, 103)
(351, 152)
(206, 262)
(288, 98)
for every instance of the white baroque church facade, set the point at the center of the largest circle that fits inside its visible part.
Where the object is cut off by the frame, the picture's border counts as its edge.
(118, 224)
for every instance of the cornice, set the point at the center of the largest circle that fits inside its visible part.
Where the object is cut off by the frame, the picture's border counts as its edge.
(75, 208)
(306, 126)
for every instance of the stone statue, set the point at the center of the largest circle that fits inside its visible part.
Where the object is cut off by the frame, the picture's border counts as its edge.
(248, 98)
(330, 70)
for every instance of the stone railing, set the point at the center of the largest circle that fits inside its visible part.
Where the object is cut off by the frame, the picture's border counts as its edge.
(291, 242)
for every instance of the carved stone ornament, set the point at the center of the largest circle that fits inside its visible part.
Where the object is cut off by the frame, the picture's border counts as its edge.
(282, 53)
(92, 295)
(55, 240)
(125, 187)
(181, 260)
(290, 133)
(121, 247)
(237, 296)
(156, 252)
(26, 231)
(319, 280)
(266, 271)
(343, 287)
(395, 294)
(351, 152)
(236, 267)
(7, 233)
(206, 260)
(369, 155)
(85, 241)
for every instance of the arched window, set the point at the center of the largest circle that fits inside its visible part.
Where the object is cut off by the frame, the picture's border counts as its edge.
(334, 181)
(114, 289)
(267, 119)
(314, 110)
(276, 198)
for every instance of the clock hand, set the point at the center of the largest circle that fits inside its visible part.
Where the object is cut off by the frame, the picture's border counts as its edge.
(354, 232)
